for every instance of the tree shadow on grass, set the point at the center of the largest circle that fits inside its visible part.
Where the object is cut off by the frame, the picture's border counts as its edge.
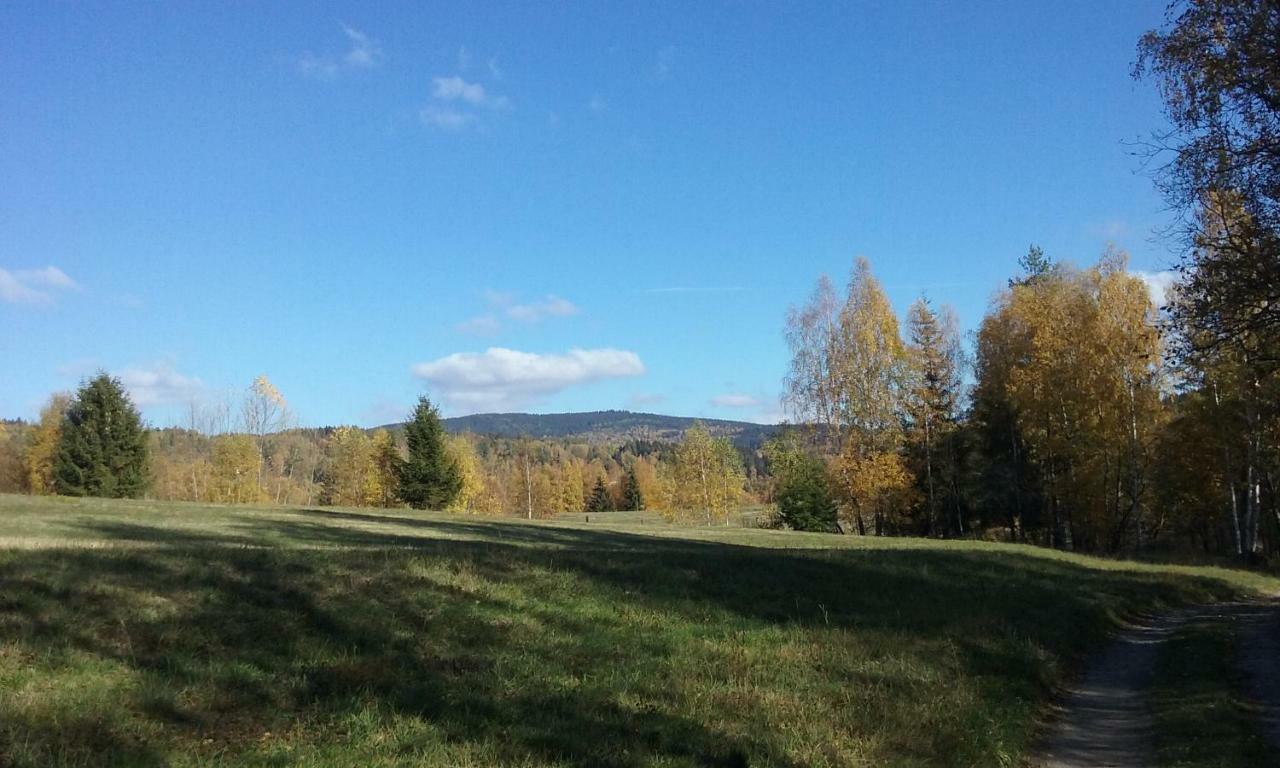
(258, 640)
(477, 635)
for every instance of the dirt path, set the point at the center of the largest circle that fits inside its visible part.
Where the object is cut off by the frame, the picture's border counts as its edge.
(1105, 720)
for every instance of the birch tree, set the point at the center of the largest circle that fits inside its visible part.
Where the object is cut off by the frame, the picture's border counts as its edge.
(706, 478)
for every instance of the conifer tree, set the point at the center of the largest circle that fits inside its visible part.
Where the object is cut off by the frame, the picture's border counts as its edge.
(803, 494)
(430, 478)
(932, 410)
(632, 498)
(599, 500)
(102, 448)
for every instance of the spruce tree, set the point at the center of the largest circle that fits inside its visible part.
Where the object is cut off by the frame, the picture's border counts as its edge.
(430, 478)
(804, 496)
(599, 500)
(632, 499)
(102, 448)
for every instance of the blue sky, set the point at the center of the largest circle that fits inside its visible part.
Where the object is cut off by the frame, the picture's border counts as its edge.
(533, 206)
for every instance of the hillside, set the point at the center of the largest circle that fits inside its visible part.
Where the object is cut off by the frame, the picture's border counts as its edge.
(146, 633)
(604, 426)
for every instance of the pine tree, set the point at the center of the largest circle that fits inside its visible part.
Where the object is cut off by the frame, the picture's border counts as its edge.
(102, 449)
(599, 500)
(632, 498)
(430, 478)
(932, 410)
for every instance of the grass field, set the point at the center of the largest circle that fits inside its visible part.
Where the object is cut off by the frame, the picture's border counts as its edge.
(1197, 703)
(139, 633)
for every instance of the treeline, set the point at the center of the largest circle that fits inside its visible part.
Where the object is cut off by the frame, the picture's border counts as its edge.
(1083, 419)
(266, 460)
(1061, 428)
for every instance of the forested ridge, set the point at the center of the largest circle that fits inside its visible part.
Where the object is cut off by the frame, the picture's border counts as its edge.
(607, 426)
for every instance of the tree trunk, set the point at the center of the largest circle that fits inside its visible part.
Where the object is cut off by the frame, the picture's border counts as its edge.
(528, 489)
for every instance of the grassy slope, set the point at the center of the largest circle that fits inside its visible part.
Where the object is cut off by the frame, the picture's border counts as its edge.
(146, 634)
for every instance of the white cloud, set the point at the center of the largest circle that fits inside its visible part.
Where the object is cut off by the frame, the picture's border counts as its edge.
(735, 401)
(33, 286)
(456, 102)
(494, 70)
(13, 291)
(499, 379)
(1158, 284)
(456, 89)
(160, 385)
(363, 53)
(450, 88)
(551, 306)
(49, 277)
(505, 304)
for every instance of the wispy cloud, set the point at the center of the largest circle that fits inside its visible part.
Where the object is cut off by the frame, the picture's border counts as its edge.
(735, 400)
(33, 286)
(504, 305)
(447, 118)
(503, 379)
(363, 52)
(455, 88)
(663, 62)
(457, 103)
(159, 385)
(533, 312)
(1158, 284)
(597, 103)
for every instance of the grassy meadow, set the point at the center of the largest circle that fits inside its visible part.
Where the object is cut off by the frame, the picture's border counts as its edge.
(1198, 704)
(145, 633)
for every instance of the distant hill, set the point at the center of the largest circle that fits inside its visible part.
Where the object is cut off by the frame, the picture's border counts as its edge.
(603, 426)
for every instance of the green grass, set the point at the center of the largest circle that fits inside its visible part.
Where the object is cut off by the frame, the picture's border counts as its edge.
(1198, 705)
(140, 633)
